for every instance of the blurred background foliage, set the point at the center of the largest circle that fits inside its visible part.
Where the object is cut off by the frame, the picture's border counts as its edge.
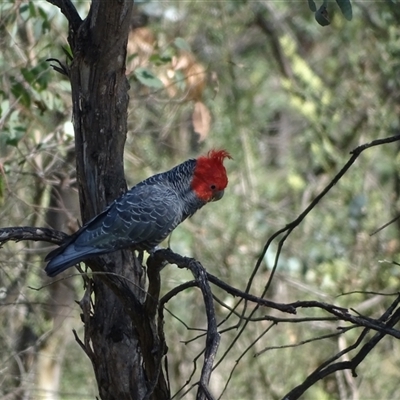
(289, 100)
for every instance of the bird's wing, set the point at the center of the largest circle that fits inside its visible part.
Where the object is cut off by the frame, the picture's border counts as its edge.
(143, 216)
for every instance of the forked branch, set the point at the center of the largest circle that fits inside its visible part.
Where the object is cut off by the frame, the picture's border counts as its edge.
(70, 12)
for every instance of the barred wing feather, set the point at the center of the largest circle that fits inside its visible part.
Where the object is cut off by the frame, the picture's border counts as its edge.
(141, 218)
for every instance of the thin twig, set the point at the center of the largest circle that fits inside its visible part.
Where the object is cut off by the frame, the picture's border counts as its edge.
(327, 368)
(287, 230)
(385, 225)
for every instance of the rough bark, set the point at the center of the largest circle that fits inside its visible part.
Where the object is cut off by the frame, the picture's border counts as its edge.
(121, 336)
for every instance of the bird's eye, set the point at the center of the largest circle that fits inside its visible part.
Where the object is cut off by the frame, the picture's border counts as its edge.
(213, 187)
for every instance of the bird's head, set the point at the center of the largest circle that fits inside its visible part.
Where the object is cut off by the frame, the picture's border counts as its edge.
(209, 179)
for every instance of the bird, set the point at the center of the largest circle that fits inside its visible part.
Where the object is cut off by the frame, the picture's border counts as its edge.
(146, 214)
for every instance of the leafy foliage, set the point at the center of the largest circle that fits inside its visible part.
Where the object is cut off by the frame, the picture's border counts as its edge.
(322, 14)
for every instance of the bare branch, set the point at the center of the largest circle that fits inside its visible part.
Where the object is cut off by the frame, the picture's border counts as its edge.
(244, 295)
(287, 230)
(212, 337)
(385, 225)
(301, 343)
(356, 320)
(231, 290)
(18, 233)
(270, 326)
(292, 225)
(60, 68)
(327, 368)
(70, 12)
(173, 292)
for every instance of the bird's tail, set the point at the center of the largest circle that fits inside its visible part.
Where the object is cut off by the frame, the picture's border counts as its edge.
(65, 257)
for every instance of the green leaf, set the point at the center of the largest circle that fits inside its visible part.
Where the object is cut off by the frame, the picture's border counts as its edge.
(147, 78)
(42, 13)
(15, 136)
(46, 26)
(312, 6)
(18, 90)
(36, 76)
(32, 10)
(158, 59)
(28, 75)
(27, 11)
(182, 44)
(46, 22)
(41, 77)
(345, 7)
(68, 52)
(322, 16)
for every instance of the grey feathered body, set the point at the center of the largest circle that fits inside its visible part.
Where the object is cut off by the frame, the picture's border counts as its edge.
(141, 218)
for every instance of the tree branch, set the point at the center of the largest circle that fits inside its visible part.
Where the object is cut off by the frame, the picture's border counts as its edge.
(213, 337)
(18, 233)
(70, 12)
(232, 291)
(292, 225)
(288, 308)
(320, 372)
(287, 230)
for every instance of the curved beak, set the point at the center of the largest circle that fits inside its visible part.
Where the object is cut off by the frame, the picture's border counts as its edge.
(217, 195)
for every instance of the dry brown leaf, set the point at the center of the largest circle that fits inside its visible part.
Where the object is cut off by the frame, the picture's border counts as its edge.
(201, 119)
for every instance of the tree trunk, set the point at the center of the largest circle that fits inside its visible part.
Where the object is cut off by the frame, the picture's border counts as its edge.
(121, 336)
